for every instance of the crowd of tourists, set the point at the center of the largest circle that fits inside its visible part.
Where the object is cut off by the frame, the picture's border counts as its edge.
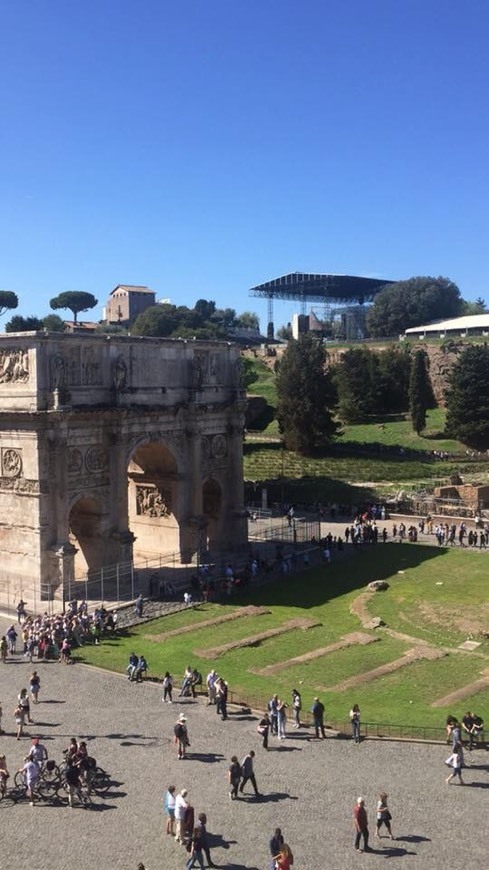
(54, 636)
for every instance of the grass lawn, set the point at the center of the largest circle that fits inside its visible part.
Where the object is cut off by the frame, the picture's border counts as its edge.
(398, 431)
(414, 605)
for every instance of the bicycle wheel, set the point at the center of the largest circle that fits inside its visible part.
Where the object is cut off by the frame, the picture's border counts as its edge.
(47, 789)
(100, 781)
(19, 779)
(51, 774)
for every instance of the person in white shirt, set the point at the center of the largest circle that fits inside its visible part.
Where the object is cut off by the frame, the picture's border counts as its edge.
(181, 806)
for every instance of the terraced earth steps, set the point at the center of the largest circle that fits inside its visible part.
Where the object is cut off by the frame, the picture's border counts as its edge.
(251, 610)
(464, 691)
(290, 625)
(356, 637)
(412, 655)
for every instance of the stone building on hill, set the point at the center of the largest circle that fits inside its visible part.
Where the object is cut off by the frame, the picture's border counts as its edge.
(126, 301)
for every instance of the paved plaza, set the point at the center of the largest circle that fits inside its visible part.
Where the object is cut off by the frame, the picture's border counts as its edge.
(309, 787)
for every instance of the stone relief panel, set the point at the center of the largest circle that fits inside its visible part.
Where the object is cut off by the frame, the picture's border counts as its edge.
(96, 459)
(14, 366)
(31, 487)
(11, 462)
(219, 447)
(75, 461)
(91, 368)
(153, 501)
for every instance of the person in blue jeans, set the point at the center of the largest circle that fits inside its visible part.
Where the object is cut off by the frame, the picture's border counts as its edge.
(355, 722)
(196, 849)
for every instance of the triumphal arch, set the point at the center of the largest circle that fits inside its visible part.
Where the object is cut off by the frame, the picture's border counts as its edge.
(112, 449)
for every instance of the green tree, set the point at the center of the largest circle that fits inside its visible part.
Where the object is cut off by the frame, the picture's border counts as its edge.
(23, 324)
(412, 303)
(205, 308)
(467, 398)
(8, 300)
(250, 374)
(248, 320)
(392, 381)
(157, 320)
(420, 392)
(75, 301)
(477, 307)
(306, 396)
(53, 323)
(356, 378)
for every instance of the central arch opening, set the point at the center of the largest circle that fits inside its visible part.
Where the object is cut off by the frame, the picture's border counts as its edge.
(152, 501)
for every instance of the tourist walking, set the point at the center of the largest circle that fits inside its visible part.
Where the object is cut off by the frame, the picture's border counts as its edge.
(455, 761)
(248, 773)
(181, 736)
(264, 729)
(196, 848)
(170, 810)
(23, 699)
(181, 806)
(211, 686)
(281, 719)
(275, 845)
(31, 773)
(204, 838)
(3, 649)
(234, 777)
(383, 815)
(296, 707)
(35, 687)
(167, 687)
(355, 722)
(361, 825)
(284, 859)
(272, 712)
(12, 639)
(317, 711)
(19, 716)
(139, 605)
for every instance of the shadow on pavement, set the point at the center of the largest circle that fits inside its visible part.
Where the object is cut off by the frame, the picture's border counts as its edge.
(206, 757)
(413, 838)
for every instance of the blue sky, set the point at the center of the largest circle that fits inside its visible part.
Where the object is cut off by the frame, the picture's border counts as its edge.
(205, 147)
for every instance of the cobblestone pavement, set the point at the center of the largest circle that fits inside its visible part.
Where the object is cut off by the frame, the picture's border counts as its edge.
(308, 787)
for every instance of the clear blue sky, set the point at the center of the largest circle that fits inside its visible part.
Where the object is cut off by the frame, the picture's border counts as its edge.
(205, 147)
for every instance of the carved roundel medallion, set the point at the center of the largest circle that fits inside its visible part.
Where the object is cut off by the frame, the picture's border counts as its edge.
(96, 459)
(11, 462)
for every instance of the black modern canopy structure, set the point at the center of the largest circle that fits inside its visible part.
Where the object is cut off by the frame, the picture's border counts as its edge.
(308, 287)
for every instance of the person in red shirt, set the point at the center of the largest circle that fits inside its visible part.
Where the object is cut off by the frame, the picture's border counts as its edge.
(361, 825)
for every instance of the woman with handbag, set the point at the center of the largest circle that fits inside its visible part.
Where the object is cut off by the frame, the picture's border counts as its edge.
(383, 815)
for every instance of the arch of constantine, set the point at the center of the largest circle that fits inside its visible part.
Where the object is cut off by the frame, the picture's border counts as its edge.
(113, 449)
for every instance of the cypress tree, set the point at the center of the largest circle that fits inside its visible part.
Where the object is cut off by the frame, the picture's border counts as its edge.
(420, 392)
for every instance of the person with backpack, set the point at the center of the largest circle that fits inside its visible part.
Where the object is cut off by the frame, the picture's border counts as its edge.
(181, 736)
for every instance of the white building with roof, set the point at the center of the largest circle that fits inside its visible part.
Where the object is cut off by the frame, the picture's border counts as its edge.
(471, 324)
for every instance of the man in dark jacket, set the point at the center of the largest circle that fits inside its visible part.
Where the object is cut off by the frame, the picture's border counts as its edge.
(317, 711)
(204, 838)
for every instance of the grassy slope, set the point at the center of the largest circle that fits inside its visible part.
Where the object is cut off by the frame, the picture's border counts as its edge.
(403, 697)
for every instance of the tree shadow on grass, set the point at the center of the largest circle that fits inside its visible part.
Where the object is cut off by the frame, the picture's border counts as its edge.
(362, 564)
